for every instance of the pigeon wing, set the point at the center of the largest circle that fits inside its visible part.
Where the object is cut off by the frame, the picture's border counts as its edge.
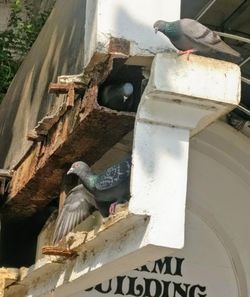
(76, 208)
(114, 175)
(201, 34)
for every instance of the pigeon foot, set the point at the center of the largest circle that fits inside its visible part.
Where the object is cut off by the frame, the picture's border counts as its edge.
(188, 52)
(112, 208)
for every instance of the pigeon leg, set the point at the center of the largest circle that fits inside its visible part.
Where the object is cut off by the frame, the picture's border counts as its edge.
(188, 52)
(112, 208)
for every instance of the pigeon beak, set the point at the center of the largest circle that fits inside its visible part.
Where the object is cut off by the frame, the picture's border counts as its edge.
(156, 30)
(70, 171)
(125, 98)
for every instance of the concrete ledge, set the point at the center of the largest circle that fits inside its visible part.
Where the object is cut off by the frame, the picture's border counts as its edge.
(201, 89)
(116, 247)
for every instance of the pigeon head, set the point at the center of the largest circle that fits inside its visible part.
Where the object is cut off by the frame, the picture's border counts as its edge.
(127, 90)
(159, 26)
(79, 168)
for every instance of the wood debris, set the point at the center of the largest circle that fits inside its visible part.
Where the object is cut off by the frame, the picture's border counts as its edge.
(58, 251)
(85, 131)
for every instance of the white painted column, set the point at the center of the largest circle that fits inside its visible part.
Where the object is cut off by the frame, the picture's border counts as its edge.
(181, 99)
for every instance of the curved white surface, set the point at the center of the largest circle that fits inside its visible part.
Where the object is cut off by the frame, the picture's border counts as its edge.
(217, 243)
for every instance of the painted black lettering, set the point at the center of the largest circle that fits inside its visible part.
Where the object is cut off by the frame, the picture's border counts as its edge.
(178, 288)
(165, 292)
(192, 292)
(152, 288)
(119, 287)
(133, 287)
(164, 266)
(178, 270)
(142, 268)
(99, 288)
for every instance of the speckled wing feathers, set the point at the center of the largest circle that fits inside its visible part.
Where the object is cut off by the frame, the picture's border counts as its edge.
(114, 175)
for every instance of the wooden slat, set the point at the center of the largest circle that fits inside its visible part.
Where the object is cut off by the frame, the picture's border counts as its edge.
(58, 251)
(71, 96)
(64, 87)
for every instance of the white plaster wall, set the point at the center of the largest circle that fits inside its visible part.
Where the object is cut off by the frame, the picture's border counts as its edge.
(133, 20)
(217, 244)
(205, 263)
(218, 192)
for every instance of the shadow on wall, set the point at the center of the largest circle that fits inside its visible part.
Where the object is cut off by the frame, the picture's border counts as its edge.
(58, 50)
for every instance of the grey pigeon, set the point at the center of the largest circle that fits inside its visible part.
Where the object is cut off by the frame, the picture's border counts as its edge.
(109, 187)
(78, 205)
(118, 97)
(190, 36)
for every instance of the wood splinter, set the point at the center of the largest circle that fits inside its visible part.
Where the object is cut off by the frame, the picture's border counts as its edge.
(58, 251)
(34, 136)
(69, 88)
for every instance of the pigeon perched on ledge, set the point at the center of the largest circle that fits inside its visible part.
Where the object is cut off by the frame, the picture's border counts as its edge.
(79, 204)
(109, 187)
(118, 97)
(190, 36)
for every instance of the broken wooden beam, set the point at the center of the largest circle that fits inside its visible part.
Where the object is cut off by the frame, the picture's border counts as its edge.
(70, 96)
(34, 136)
(69, 88)
(85, 132)
(62, 88)
(45, 124)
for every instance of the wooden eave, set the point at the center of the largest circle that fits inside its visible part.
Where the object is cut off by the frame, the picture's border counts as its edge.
(84, 131)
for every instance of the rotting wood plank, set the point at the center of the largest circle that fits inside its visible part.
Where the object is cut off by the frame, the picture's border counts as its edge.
(38, 178)
(64, 88)
(45, 124)
(58, 251)
(86, 131)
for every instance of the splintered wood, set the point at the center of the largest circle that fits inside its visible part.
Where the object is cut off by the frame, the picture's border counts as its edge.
(42, 128)
(58, 251)
(83, 132)
(69, 88)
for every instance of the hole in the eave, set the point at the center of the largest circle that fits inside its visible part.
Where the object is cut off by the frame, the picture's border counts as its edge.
(18, 242)
(111, 92)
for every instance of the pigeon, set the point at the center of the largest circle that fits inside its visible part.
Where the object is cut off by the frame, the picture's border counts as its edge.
(109, 187)
(190, 36)
(79, 204)
(118, 97)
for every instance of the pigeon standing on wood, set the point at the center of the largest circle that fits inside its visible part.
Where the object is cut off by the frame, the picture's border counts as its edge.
(190, 36)
(118, 97)
(79, 204)
(109, 187)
